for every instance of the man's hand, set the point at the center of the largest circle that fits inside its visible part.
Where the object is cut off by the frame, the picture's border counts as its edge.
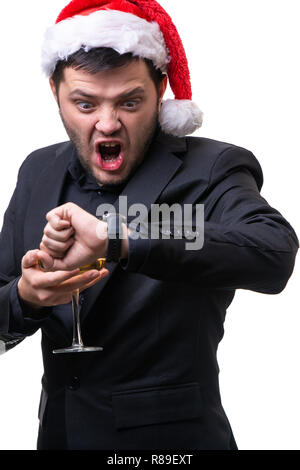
(73, 237)
(46, 289)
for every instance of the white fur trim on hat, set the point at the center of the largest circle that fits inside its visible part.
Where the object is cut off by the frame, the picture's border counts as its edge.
(180, 117)
(123, 32)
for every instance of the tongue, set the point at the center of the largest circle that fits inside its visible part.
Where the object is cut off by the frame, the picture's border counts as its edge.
(111, 158)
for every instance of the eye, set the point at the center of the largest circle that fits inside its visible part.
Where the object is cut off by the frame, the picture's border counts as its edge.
(84, 106)
(130, 104)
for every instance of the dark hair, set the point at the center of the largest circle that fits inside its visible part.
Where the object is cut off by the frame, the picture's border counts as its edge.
(101, 58)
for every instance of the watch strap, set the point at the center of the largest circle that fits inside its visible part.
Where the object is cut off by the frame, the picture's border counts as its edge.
(114, 232)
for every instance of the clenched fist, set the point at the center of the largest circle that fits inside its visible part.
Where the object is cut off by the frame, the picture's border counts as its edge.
(73, 237)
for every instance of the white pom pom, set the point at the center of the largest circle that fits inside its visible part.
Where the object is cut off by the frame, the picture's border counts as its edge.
(180, 117)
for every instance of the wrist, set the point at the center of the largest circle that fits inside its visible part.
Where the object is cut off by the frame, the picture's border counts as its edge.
(23, 296)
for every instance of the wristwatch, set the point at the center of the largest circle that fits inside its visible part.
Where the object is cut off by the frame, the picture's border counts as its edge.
(114, 232)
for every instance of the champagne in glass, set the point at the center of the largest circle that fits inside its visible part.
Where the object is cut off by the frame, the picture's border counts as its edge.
(77, 343)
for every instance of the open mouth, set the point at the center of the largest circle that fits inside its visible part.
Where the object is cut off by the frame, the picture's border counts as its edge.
(110, 156)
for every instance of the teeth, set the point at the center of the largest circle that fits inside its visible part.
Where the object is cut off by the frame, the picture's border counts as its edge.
(109, 145)
(110, 160)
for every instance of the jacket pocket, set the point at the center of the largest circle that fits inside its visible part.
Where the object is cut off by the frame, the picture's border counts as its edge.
(157, 405)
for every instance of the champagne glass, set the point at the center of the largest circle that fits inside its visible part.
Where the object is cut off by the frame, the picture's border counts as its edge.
(77, 343)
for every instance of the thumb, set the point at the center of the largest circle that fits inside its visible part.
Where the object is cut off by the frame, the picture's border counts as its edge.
(30, 259)
(44, 260)
(47, 263)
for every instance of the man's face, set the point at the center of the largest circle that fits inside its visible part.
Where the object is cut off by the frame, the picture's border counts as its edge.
(110, 117)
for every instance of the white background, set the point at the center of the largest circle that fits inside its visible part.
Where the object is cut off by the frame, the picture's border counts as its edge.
(244, 62)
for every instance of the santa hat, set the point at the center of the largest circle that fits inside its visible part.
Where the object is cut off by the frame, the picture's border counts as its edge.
(141, 27)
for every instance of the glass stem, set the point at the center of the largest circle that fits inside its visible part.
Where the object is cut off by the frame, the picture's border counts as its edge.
(77, 340)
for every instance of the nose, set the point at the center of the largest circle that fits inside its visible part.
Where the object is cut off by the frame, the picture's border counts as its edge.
(107, 121)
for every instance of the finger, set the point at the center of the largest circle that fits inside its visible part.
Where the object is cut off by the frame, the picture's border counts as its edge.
(30, 259)
(101, 275)
(54, 247)
(54, 279)
(80, 282)
(65, 265)
(51, 253)
(61, 236)
(54, 255)
(45, 261)
(56, 220)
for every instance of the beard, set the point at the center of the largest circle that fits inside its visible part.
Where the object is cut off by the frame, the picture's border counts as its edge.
(141, 149)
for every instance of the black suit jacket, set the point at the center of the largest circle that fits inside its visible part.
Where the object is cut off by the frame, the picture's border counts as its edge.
(160, 317)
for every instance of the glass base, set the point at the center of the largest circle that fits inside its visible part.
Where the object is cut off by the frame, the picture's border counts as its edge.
(77, 349)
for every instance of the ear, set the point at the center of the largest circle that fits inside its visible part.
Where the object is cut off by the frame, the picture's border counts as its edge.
(162, 89)
(53, 88)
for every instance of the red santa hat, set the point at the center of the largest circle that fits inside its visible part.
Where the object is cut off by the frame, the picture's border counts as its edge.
(141, 27)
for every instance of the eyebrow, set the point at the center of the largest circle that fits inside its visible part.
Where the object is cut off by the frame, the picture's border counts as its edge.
(127, 94)
(135, 91)
(81, 93)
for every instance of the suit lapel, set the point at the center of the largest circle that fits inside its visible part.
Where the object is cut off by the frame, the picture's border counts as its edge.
(144, 187)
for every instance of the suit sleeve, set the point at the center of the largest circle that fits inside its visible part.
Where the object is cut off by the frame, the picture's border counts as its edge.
(16, 322)
(247, 243)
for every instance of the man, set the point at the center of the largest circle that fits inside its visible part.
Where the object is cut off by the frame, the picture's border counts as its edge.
(159, 312)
